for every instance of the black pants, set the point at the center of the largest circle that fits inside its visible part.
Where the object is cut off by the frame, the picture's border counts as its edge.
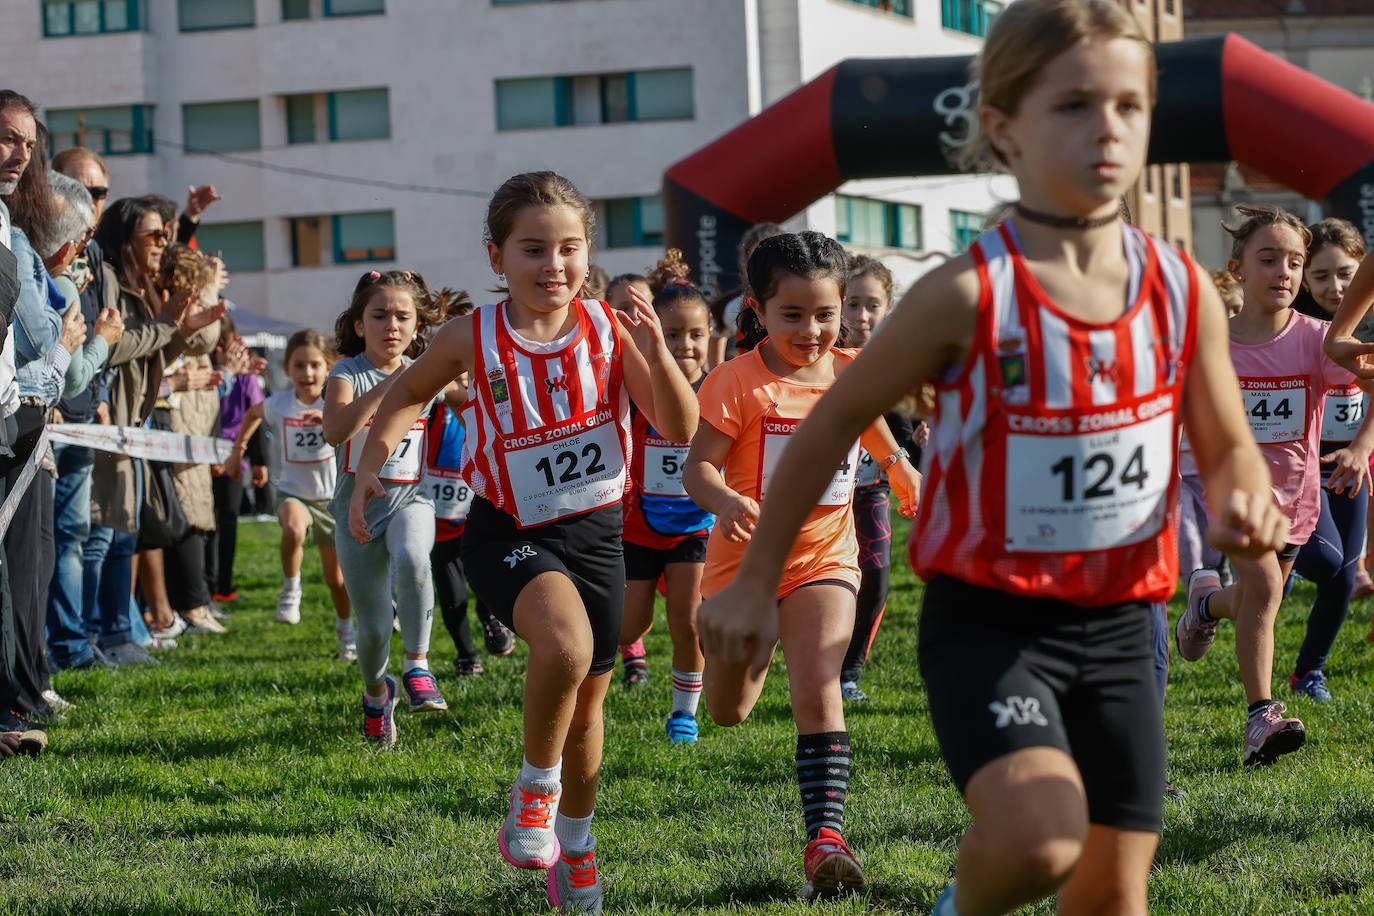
(184, 569)
(30, 557)
(451, 587)
(222, 543)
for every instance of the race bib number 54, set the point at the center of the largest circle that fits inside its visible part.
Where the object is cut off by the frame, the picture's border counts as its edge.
(1089, 492)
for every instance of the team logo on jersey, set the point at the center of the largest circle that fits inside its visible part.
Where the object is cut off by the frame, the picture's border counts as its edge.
(558, 383)
(1107, 370)
(1013, 370)
(602, 364)
(496, 379)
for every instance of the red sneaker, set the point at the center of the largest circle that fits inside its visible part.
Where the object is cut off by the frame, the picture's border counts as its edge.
(830, 867)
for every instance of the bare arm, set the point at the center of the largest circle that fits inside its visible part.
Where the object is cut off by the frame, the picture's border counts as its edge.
(233, 465)
(1234, 475)
(344, 414)
(1341, 344)
(702, 479)
(652, 376)
(904, 479)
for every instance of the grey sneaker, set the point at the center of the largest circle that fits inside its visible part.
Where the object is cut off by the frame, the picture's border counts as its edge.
(58, 704)
(130, 653)
(1193, 635)
(527, 839)
(574, 885)
(199, 620)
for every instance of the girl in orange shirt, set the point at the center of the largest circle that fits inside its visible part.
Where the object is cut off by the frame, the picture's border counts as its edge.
(750, 406)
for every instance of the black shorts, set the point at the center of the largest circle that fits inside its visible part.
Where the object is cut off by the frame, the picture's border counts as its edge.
(647, 562)
(500, 559)
(1005, 672)
(1289, 553)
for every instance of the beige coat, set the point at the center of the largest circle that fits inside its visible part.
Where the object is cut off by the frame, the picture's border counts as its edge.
(138, 360)
(195, 414)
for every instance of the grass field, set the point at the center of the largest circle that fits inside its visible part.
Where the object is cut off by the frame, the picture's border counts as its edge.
(233, 779)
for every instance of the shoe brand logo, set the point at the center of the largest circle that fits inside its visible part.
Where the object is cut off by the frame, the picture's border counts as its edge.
(1020, 710)
(518, 554)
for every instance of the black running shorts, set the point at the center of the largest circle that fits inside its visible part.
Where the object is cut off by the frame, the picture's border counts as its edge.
(500, 559)
(648, 562)
(1006, 672)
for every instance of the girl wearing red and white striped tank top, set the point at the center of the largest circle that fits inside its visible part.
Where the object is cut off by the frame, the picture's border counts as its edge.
(548, 421)
(1066, 347)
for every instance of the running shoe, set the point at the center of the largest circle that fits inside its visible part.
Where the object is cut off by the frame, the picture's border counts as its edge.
(682, 727)
(226, 599)
(574, 885)
(58, 704)
(216, 611)
(1312, 685)
(130, 653)
(199, 620)
(348, 639)
(851, 691)
(468, 667)
(500, 641)
(1364, 586)
(422, 691)
(636, 676)
(830, 867)
(1269, 735)
(160, 644)
(172, 630)
(526, 839)
(379, 723)
(289, 605)
(1195, 637)
(1173, 791)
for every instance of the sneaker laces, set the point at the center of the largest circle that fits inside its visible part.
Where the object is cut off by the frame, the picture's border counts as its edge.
(581, 869)
(534, 808)
(422, 682)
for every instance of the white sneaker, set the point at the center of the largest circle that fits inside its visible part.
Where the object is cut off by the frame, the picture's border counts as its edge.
(348, 648)
(58, 704)
(174, 629)
(289, 606)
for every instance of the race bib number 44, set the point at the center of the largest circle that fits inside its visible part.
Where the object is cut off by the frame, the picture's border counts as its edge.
(1342, 413)
(304, 443)
(663, 462)
(1089, 492)
(404, 464)
(563, 476)
(1276, 408)
(777, 432)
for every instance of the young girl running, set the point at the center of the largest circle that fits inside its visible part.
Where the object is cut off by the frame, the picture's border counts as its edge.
(665, 531)
(867, 300)
(1065, 346)
(452, 496)
(388, 320)
(750, 408)
(305, 479)
(1284, 376)
(549, 421)
(1331, 558)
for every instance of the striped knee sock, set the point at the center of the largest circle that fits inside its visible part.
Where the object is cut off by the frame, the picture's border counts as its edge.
(823, 775)
(686, 691)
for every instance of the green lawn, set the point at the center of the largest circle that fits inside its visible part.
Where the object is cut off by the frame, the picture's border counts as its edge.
(233, 779)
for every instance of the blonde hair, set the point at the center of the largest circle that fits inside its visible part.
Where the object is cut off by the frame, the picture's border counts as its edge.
(1026, 36)
(182, 267)
(1225, 282)
(1254, 217)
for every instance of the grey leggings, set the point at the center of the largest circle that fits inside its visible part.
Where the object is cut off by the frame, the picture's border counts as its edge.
(399, 556)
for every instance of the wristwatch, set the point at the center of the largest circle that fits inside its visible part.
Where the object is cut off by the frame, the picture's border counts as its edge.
(892, 459)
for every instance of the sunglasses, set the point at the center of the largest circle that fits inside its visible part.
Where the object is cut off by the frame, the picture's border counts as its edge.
(98, 192)
(166, 233)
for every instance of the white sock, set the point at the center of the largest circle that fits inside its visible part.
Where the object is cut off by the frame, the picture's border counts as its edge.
(291, 583)
(413, 663)
(377, 701)
(344, 626)
(573, 832)
(530, 773)
(686, 691)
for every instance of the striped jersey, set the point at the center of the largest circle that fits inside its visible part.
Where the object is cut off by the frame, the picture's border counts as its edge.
(548, 423)
(1051, 465)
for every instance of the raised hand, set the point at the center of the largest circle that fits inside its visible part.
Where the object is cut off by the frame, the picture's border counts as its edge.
(199, 199)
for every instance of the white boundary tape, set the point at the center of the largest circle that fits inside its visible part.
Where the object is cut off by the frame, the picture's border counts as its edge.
(133, 441)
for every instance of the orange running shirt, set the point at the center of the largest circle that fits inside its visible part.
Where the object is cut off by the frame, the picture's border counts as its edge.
(740, 398)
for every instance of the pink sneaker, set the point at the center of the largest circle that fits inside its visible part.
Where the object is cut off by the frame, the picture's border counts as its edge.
(1363, 586)
(1269, 735)
(1193, 635)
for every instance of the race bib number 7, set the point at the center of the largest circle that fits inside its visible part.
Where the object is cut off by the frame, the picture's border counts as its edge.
(1089, 492)
(405, 463)
(777, 432)
(1276, 408)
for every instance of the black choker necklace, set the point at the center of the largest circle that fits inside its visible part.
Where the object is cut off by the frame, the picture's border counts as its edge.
(1065, 222)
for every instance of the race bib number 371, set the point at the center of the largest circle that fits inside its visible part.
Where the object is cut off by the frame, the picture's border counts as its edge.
(1088, 492)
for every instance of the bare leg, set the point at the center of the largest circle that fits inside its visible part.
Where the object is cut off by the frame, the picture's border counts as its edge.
(295, 524)
(1253, 603)
(684, 596)
(582, 749)
(333, 577)
(550, 616)
(815, 624)
(639, 610)
(1112, 874)
(153, 580)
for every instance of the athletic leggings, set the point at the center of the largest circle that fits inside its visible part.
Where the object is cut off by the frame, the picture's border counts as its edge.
(1193, 550)
(400, 554)
(451, 583)
(873, 527)
(1329, 559)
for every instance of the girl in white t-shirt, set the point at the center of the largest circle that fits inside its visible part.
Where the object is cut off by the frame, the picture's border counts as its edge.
(305, 480)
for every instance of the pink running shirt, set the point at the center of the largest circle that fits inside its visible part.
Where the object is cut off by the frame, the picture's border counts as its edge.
(1283, 383)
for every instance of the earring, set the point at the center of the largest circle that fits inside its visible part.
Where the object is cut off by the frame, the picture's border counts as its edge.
(501, 278)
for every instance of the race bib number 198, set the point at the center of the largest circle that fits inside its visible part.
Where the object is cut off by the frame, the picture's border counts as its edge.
(451, 494)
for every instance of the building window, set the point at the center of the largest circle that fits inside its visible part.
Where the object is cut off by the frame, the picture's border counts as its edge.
(306, 244)
(121, 131)
(1176, 181)
(354, 7)
(364, 236)
(607, 98)
(219, 127)
(239, 245)
(877, 223)
(631, 222)
(202, 15)
(300, 118)
(295, 9)
(964, 229)
(89, 17)
(900, 7)
(970, 16)
(361, 114)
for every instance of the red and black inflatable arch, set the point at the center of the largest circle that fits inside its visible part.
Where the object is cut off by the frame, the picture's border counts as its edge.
(1220, 99)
